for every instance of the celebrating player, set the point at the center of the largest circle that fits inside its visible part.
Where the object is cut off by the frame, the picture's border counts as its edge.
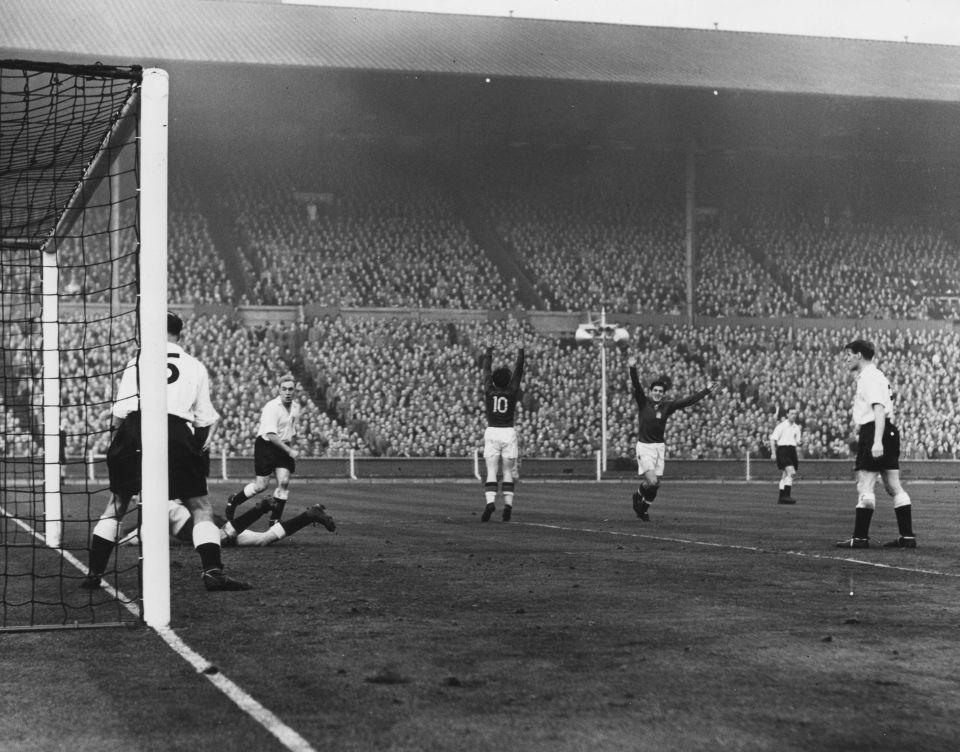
(878, 450)
(783, 446)
(651, 448)
(272, 453)
(501, 390)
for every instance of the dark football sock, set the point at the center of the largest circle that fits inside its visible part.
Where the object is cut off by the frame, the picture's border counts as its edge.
(278, 505)
(100, 550)
(905, 520)
(246, 519)
(296, 523)
(861, 523)
(238, 498)
(210, 556)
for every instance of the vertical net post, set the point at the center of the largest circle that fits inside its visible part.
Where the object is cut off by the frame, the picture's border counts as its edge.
(153, 339)
(50, 335)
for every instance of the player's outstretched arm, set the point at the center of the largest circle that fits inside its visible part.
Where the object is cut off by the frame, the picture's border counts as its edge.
(694, 398)
(638, 393)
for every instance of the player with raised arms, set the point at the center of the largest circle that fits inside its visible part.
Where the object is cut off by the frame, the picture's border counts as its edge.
(501, 391)
(651, 447)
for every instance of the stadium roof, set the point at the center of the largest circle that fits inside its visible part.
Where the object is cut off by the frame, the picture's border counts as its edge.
(146, 32)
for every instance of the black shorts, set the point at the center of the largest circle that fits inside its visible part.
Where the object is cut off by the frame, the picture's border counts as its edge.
(186, 464)
(123, 457)
(787, 457)
(267, 458)
(890, 460)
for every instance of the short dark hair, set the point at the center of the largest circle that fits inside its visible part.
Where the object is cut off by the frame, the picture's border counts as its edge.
(861, 346)
(501, 378)
(660, 382)
(174, 323)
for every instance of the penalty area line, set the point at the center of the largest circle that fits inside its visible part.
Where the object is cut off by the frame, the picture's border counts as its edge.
(266, 718)
(749, 549)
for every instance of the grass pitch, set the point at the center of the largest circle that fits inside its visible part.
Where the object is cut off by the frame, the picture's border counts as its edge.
(726, 622)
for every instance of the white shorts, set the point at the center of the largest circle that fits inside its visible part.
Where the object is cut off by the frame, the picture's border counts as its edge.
(500, 442)
(650, 457)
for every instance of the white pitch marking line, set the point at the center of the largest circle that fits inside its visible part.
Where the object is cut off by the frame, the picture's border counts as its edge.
(283, 733)
(286, 735)
(752, 549)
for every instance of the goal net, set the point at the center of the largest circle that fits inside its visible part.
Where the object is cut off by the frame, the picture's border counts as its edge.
(71, 317)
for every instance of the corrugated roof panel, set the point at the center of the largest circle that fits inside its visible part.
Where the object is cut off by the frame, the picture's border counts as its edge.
(151, 33)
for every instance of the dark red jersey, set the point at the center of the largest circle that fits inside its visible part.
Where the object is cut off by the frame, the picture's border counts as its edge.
(500, 403)
(653, 416)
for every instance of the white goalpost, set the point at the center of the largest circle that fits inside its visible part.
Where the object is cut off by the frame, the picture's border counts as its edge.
(153, 346)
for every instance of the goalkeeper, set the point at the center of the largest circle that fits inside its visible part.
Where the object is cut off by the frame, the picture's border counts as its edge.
(651, 447)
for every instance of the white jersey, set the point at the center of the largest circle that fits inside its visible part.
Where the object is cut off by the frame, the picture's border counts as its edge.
(275, 418)
(188, 389)
(872, 389)
(786, 434)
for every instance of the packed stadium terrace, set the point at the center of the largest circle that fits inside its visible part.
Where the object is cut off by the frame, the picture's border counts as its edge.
(351, 236)
(401, 234)
(410, 388)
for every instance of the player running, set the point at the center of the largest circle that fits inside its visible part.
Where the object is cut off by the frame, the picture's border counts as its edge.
(501, 390)
(651, 448)
(272, 451)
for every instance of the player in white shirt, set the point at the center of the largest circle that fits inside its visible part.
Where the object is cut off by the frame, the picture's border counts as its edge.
(191, 421)
(273, 451)
(783, 446)
(878, 450)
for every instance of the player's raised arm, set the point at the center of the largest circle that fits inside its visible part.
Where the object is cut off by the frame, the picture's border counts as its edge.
(638, 393)
(486, 362)
(517, 370)
(695, 398)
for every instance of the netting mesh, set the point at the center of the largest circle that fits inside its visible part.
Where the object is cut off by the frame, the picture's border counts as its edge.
(68, 322)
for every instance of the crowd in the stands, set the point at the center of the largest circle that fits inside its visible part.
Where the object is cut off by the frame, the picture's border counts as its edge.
(399, 384)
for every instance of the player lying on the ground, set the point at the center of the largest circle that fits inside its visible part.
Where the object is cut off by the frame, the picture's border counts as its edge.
(237, 532)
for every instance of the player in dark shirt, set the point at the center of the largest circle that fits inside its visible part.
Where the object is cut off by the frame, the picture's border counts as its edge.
(501, 392)
(651, 448)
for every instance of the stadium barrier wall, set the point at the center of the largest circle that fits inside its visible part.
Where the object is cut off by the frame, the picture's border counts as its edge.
(240, 468)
